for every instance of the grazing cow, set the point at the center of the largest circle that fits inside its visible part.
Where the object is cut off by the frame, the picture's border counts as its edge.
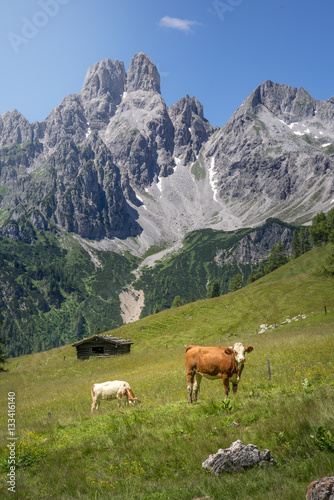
(226, 363)
(112, 390)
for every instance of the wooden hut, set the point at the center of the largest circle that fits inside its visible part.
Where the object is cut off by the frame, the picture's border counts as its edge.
(102, 346)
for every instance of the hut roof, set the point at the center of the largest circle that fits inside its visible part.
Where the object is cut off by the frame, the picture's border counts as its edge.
(106, 338)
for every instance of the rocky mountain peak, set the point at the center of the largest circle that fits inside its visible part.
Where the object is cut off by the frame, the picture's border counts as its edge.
(187, 105)
(287, 102)
(102, 92)
(104, 77)
(274, 96)
(191, 128)
(15, 128)
(143, 74)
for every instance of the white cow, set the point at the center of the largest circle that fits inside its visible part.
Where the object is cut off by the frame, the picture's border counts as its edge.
(112, 390)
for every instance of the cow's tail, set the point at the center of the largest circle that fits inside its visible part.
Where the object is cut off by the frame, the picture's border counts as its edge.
(92, 390)
(189, 347)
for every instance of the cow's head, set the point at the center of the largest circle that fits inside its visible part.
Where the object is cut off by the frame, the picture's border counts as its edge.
(134, 401)
(239, 352)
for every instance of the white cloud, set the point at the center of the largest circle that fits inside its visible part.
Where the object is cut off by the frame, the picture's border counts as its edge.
(177, 24)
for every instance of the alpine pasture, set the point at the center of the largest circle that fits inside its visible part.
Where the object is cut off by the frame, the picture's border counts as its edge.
(155, 450)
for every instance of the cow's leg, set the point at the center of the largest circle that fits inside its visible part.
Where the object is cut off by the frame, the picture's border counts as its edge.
(119, 400)
(190, 384)
(197, 385)
(128, 394)
(95, 404)
(226, 384)
(235, 381)
(190, 392)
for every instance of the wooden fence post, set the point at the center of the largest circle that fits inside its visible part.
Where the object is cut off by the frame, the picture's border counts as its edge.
(268, 370)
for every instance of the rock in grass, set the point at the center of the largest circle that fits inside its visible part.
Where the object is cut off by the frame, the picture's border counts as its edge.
(321, 489)
(237, 457)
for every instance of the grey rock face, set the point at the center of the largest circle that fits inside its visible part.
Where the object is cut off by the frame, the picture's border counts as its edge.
(291, 104)
(192, 130)
(288, 103)
(237, 457)
(143, 74)
(15, 159)
(321, 489)
(140, 136)
(80, 191)
(264, 162)
(66, 122)
(15, 129)
(102, 92)
(19, 230)
(256, 246)
(79, 115)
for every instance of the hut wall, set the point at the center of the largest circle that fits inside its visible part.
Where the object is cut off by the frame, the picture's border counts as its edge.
(101, 349)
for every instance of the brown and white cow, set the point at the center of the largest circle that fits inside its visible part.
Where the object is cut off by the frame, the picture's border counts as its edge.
(116, 389)
(226, 363)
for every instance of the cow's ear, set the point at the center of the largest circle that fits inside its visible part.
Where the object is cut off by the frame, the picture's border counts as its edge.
(229, 350)
(249, 348)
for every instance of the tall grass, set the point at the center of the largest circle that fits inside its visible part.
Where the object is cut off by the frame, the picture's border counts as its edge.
(156, 450)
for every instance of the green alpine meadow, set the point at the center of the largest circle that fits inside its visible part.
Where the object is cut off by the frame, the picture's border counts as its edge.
(155, 450)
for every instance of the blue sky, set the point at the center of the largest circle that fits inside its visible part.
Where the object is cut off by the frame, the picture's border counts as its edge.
(216, 50)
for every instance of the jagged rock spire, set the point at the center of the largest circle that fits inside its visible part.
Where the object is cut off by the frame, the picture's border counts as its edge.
(143, 74)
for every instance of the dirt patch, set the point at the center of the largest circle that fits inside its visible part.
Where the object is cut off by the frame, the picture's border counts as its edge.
(132, 303)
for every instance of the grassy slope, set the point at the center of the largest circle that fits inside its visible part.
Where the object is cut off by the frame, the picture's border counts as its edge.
(296, 288)
(189, 272)
(155, 451)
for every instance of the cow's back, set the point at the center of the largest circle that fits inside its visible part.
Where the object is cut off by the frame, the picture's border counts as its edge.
(210, 360)
(107, 389)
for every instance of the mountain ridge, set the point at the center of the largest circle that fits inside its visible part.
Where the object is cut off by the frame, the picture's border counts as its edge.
(169, 171)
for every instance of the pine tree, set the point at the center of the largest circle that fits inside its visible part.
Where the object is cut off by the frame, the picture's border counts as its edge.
(328, 268)
(295, 245)
(2, 355)
(177, 302)
(258, 272)
(236, 283)
(330, 225)
(277, 257)
(304, 240)
(319, 229)
(215, 290)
